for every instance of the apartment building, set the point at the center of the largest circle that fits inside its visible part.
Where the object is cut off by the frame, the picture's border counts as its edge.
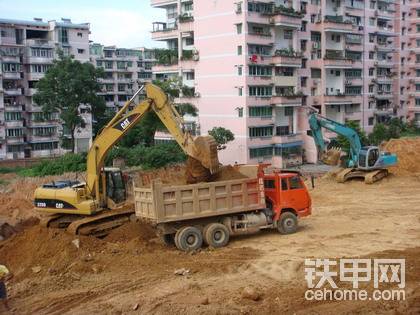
(27, 50)
(125, 71)
(254, 67)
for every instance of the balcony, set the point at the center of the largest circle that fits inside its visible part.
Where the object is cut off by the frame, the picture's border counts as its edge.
(43, 60)
(35, 76)
(41, 43)
(12, 75)
(337, 59)
(15, 139)
(288, 58)
(289, 138)
(341, 98)
(162, 31)
(338, 24)
(383, 95)
(13, 107)
(283, 16)
(384, 111)
(287, 100)
(13, 91)
(260, 38)
(14, 124)
(162, 3)
(163, 68)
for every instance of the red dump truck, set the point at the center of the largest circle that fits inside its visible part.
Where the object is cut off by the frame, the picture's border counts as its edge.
(189, 215)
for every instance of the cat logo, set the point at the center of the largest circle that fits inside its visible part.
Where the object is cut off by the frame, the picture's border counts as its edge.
(125, 123)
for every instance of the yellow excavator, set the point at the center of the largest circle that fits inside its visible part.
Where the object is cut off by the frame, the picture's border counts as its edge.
(100, 204)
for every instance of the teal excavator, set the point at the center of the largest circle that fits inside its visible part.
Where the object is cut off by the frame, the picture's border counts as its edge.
(366, 162)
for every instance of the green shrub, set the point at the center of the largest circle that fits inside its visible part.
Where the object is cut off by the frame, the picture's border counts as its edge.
(148, 157)
(67, 163)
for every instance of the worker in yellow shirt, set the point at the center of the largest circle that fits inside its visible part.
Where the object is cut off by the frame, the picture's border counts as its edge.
(4, 275)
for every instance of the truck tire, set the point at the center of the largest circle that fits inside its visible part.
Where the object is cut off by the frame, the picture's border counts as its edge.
(188, 239)
(287, 223)
(216, 235)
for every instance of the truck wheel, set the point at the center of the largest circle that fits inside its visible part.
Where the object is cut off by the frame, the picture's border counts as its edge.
(188, 239)
(216, 235)
(287, 223)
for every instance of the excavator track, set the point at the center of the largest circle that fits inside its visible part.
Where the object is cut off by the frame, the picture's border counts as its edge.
(101, 224)
(369, 177)
(58, 221)
(375, 176)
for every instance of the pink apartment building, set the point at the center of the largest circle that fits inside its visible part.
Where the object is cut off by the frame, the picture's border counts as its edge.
(254, 66)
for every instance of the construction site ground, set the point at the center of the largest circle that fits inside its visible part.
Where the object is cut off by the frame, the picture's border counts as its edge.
(132, 272)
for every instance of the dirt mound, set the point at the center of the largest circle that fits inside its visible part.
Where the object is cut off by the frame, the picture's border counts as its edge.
(175, 175)
(407, 150)
(130, 231)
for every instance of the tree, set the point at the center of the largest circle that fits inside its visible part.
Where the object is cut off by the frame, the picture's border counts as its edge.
(66, 85)
(344, 143)
(378, 134)
(144, 132)
(222, 136)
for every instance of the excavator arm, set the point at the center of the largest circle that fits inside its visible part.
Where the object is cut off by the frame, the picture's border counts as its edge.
(317, 122)
(203, 149)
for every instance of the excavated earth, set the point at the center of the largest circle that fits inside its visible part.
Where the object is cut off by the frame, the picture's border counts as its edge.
(132, 272)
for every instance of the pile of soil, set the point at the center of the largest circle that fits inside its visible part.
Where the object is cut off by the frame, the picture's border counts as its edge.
(176, 175)
(127, 232)
(407, 150)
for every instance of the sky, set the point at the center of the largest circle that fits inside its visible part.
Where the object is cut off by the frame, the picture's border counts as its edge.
(125, 23)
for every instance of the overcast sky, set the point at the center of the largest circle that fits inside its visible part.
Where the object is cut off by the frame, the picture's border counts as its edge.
(125, 23)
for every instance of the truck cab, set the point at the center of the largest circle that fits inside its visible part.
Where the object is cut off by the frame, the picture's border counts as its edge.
(285, 191)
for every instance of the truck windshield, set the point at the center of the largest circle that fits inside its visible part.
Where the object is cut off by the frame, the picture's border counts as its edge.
(295, 182)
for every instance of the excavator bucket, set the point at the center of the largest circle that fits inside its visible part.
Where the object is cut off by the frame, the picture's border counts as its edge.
(331, 156)
(206, 152)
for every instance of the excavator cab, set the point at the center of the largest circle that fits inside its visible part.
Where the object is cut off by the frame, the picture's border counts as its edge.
(115, 185)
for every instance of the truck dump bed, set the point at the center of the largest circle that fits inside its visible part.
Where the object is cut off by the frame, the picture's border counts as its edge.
(162, 204)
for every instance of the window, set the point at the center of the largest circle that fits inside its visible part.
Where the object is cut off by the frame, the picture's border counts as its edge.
(41, 52)
(417, 101)
(284, 71)
(288, 34)
(63, 36)
(12, 116)
(239, 28)
(239, 50)
(240, 92)
(371, 71)
(98, 63)
(282, 130)
(284, 184)
(260, 132)
(370, 121)
(353, 73)
(259, 50)
(38, 68)
(239, 70)
(288, 111)
(353, 90)
(79, 34)
(261, 152)
(303, 81)
(261, 91)
(80, 51)
(189, 41)
(190, 75)
(260, 111)
(241, 112)
(315, 73)
(295, 182)
(44, 146)
(269, 184)
(371, 38)
(13, 133)
(11, 67)
(260, 71)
